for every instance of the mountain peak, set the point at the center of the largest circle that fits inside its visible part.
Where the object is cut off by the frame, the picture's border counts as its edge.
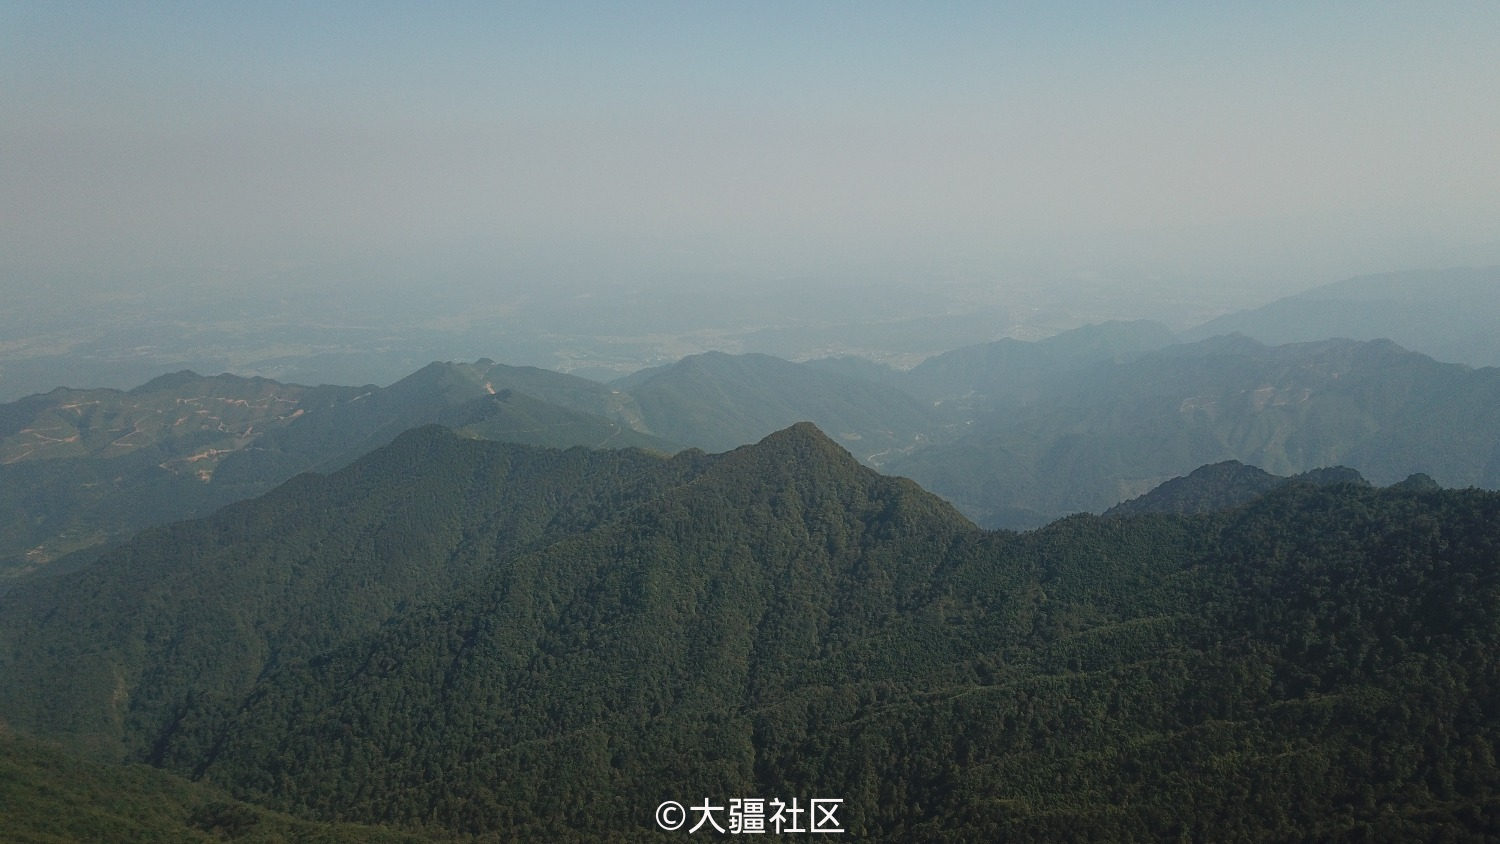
(803, 440)
(1417, 482)
(801, 449)
(793, 454)
(1216, 486)
(802, 430)
(1220, 486)
(1330, 475)
(170, 381)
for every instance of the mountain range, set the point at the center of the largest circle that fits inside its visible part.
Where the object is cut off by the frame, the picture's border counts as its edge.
(1447, 314)
(82, 468)
(1014, 434)
(1098, 434)
(717, 401)
(1222, 486)
(457, 637)
(491, 602)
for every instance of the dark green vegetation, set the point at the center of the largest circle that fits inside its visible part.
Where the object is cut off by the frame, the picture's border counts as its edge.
(49, 796)
(79, 469)
(284, 577)
(455, 635)
(1231, 484)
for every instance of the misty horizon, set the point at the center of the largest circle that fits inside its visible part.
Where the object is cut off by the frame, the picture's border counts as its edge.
(1241, 154)
(345, 192)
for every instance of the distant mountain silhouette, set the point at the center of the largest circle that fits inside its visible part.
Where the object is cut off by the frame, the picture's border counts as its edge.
(1008, 373)
(1448, 314)
(1093, 437)
(718, 401)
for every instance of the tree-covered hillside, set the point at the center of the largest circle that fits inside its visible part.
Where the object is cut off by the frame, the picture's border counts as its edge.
(50, 797)
(204, 607)
(519, 643)
(1013, 434)
(81, 468)
(1220, 486)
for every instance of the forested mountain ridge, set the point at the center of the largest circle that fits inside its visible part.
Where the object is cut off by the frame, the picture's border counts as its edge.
(1223, 485)
(779, 621)
(199, 417)
(1011, 373)
(81, 468)
(1115, 430)
(1012, 433)
(315, 561)
(513, 403)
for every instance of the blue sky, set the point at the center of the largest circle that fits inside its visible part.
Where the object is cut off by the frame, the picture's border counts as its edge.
(1275, 144)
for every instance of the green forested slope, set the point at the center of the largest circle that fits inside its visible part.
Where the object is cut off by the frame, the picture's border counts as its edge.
(50, 797)
(539, 645)
(458, 395)
(81, 468)
(1220, 486)
(200, 609)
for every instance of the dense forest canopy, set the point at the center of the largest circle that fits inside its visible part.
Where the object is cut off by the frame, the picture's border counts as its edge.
(457, 636)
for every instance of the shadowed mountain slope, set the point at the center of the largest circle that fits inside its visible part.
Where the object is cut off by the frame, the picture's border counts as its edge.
(82, 467)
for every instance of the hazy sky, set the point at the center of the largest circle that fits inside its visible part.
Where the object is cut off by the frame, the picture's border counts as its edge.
(1294, 142)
